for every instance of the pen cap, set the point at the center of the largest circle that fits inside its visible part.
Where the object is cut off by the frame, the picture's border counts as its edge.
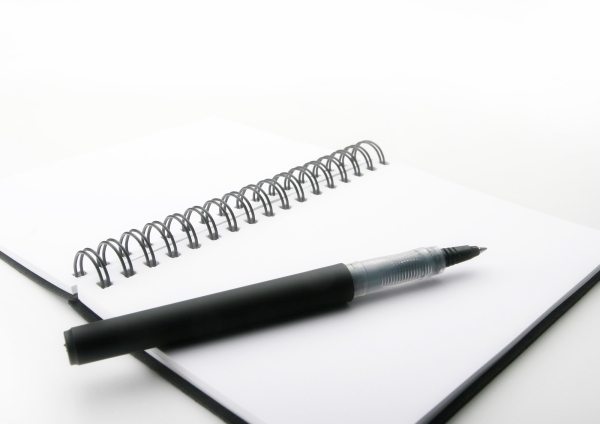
(215, 315)
(377, 274)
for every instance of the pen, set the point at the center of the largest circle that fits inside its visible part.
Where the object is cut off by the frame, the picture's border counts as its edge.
(271, 301)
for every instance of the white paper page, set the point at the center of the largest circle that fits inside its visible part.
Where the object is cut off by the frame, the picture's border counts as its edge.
(49, 214)
(390, 356)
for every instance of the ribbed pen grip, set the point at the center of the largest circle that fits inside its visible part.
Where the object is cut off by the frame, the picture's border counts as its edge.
(377, 274)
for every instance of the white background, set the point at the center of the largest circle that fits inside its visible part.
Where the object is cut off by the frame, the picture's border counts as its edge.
(503, 97)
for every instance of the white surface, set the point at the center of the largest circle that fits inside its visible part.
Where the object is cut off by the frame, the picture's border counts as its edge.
(229, 369)
(500, 97)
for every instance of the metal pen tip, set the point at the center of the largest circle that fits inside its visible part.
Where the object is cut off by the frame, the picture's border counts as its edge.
(482, 249)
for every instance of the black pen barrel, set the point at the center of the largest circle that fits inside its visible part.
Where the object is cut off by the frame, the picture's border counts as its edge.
(209, 316)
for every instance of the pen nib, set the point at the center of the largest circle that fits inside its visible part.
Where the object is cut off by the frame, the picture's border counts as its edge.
(458, 254)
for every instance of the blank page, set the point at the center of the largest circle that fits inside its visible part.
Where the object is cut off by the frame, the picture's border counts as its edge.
(387, 357)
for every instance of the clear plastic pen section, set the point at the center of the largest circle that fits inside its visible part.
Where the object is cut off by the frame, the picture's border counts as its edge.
(381, 273)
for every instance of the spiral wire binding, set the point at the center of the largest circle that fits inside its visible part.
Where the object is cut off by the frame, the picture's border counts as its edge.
(294, 178)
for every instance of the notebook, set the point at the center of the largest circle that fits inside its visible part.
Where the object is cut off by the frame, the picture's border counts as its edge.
(415, 353)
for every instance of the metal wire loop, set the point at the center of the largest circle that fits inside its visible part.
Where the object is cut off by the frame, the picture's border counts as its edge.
(186, 226)
(223, 209)
(144, 244)
(274, 186)
(242, 202)
(165, 234)
(121, 253)
(96, 261)
(318, 165)
(377, 149)
(259, 194)
(356, 148)
(333, 160)
(296, 177)
(205, 218)
(345, 154)
(290, 181)
(305, 172)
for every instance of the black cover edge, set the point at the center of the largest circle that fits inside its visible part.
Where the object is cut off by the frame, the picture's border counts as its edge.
(171, 376)
(36, 278)
(455, 401)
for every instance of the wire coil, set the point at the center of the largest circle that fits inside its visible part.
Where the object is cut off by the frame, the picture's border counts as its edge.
(278, 186)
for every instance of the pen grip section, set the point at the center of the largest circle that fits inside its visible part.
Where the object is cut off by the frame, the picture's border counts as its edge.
(213, 315)
(381, 273)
